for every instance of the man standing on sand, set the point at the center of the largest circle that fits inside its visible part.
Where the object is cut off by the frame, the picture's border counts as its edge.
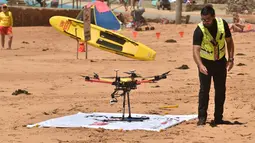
(209, 54)
(6, 23)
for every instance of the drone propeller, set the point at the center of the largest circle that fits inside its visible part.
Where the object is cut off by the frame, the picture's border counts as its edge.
(133, 74)
(87, 78)
(116, 71)
(130, 72)
(96, 76)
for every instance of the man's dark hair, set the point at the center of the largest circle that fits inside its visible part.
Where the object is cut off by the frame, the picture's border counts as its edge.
(208, 9)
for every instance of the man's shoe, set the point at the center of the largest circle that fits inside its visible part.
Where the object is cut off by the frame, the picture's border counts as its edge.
(218, 121)
(201, 122)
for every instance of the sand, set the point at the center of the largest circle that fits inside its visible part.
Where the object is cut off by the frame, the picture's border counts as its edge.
(44, 63)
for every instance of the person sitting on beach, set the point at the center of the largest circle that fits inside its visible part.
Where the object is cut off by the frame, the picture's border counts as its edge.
(238, 23)
(6, 23)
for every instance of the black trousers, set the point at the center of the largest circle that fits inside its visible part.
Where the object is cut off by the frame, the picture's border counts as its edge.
(217, 71)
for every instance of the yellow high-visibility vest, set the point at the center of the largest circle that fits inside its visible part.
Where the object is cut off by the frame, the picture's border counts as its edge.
(213, 49)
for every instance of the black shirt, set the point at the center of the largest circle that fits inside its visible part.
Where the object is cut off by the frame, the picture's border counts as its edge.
(198, 34)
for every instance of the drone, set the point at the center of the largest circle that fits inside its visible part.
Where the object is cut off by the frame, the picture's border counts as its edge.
(125, 84)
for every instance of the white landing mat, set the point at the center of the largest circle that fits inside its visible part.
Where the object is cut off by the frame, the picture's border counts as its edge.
(96, 120)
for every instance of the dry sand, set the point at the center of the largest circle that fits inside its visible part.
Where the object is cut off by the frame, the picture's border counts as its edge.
(44, 63)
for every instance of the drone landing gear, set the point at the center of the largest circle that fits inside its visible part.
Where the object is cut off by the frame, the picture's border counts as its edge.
(129, 118)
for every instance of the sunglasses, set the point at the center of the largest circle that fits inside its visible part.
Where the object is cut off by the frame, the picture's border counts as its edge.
(206, 20)
(4, 6)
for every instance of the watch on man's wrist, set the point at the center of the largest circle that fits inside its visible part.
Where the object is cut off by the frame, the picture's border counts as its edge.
(231, 59)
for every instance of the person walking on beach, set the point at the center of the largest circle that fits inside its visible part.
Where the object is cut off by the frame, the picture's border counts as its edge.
(209, 54)
(6, 23)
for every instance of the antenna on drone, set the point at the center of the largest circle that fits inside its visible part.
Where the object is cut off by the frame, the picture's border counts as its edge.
(116, 71)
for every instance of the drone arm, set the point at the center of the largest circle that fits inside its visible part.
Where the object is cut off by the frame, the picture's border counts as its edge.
(88, 79)
(144, 81)
(99, 81)
(153, 79)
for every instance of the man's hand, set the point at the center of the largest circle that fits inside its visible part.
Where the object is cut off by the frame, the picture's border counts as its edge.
(196, 56)
(230, 65)
(203, 69)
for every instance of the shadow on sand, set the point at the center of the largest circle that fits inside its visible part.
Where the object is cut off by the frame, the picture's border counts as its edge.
(225, 122)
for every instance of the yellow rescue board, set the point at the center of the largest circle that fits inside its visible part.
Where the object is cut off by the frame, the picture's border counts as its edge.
(103, 39)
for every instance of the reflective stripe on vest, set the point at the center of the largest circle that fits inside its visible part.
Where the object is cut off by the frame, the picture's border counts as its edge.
(213, 49)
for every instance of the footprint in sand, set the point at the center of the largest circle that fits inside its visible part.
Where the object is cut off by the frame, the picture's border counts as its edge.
(153, 112)
(92, 61)
(157, 86)
(171, 60)
(242, 74)
(183, 67)
(241, 64)
(171, 41)
(24, 42)
(46, 49)
(240, 54)
(55, 111)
